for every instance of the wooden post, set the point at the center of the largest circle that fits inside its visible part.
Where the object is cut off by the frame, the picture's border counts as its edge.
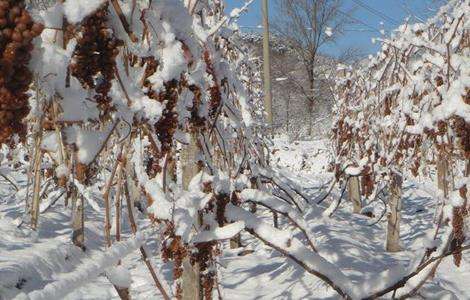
(78, 218)
(191, 281)
(442, 180)
(275, 219)
(189, 162)
(236, 242)
(354, 194)
(37, 177)
(394, 216)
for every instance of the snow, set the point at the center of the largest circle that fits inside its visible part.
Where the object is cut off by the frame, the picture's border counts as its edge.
(353, 171)
(292, 246)
(456, 199)
(219, 233)
(49, 142)
(77, 10)
(89, 142)
(52, 17)
(173, 63)
(20, 261)
(119, 276)
(175, 27)
(311, 253)
(277, 237)
(91, 268)
(62, 170)
(329, 31)
(161, 207)
(344, 240)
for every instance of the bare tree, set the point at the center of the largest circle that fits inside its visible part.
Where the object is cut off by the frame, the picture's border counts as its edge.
(307, 25)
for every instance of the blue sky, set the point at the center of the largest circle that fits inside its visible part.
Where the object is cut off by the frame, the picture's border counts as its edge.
(360, 35)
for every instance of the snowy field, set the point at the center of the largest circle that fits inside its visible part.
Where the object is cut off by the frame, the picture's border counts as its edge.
(44, 265)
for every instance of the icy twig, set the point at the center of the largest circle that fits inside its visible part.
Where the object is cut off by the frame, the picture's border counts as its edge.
(123, 20)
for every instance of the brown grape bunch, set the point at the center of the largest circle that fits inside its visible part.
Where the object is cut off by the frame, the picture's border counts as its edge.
(17, 30)
(94, 59)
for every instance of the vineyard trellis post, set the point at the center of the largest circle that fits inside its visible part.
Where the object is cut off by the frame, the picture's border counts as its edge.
(191, 281)
(78, 221)
(354, 194)
(442, 178)
(394, 216)
(235, 242)
(37, 176)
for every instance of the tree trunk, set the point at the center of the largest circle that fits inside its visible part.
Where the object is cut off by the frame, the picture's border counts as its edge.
(354, 194)
(287, 114)
(310, 119)
(191, 283)
(394, 216)
(311, 83)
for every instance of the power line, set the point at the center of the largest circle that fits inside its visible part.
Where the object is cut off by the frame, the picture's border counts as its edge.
(358, 21)
(359, 30)
(376, 12)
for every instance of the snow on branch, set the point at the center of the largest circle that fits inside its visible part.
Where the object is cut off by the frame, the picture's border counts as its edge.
(219, 233)
(77, 10)
(275, 204)
(90, 268)
(289, 246)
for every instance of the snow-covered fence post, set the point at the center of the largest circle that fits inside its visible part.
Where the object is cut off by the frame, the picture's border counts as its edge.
(394, 216)
(354, 194)
(191, 284)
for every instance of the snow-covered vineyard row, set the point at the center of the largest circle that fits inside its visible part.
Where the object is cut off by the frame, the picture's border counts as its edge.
(134, 162)
(408, 113)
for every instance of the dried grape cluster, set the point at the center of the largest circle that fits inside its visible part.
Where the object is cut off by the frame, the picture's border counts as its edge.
(174, 250)
(459, 214)
(205, 256)
(94, 59)
(214, 91)
(166, 126)
(462, 130)
(17, 30)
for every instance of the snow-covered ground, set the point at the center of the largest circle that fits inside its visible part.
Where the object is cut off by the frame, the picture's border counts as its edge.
(31, 261)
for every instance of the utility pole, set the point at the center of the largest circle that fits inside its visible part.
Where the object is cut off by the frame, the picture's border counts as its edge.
(268, 105)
